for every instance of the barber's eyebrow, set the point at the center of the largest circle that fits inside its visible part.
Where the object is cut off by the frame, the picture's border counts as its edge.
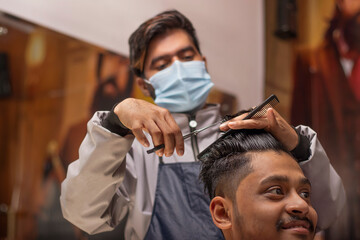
(285, 179)
(185, 49)
(188, 48)
(154, 60)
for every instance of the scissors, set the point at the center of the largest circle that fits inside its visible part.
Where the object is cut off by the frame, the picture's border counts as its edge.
(256, 112)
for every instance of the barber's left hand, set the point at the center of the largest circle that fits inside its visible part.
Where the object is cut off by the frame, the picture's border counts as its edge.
(271, 122)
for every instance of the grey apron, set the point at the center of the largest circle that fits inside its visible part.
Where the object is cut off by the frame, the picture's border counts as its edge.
(181, 208)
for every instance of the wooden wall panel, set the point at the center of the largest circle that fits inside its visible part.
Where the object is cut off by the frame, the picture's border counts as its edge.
(312, 17)
(43, 75)
(13, 44)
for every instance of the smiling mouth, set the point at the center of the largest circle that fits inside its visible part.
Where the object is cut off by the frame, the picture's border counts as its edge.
(298, 227)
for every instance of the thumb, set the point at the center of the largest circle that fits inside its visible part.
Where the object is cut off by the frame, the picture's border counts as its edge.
(271, 118)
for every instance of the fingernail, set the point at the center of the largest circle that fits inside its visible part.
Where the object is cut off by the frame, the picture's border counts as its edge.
(146, 144)
(231, 124)
(181, 152)
(223, 125)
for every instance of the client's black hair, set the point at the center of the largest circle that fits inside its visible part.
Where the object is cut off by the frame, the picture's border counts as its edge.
(228, 160)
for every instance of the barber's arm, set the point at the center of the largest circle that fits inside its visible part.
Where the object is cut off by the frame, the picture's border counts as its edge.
(91, 183)
(328, 193)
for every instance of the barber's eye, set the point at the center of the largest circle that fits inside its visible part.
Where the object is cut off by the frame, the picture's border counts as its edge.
(188, 58)
(161, 63)
(187, 55)
(161, 67)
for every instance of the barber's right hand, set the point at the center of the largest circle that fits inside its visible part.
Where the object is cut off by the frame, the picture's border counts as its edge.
(139, 115)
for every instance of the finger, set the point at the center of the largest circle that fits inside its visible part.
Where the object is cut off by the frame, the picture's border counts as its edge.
(178, 137)
(281, 130)
(169, 141)
(256, 123)
(156, 136)
(171, 134)
(225, 126)
(271, 120)
(179, 145)
(140, 136)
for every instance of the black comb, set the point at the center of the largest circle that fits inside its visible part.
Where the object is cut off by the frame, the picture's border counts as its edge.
(254, 113)
(260, 110)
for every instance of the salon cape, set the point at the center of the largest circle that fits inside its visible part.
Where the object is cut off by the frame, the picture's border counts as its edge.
(115, 178)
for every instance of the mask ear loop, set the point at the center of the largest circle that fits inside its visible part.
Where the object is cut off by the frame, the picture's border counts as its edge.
(150, 88)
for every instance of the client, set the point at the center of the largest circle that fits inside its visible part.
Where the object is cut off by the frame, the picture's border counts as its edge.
(257, 189)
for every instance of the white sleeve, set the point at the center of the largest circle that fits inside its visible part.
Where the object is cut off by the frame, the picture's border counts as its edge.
(328, 193)
(92, 182)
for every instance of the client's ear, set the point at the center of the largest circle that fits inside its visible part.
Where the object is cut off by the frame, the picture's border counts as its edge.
(220, 209)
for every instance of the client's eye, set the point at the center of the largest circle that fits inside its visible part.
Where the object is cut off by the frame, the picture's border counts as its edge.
(275, 190)
(305, 195)
(274, 193)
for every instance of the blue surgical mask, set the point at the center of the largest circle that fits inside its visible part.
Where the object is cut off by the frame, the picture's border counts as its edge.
(182, 87)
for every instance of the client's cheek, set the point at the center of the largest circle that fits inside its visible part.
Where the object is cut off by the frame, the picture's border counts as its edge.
(313, 216)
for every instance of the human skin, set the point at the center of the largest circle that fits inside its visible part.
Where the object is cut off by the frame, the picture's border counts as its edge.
(139, 115)
(266, 199)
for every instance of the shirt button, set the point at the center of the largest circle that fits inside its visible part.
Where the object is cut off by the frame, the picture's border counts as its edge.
(193, 124)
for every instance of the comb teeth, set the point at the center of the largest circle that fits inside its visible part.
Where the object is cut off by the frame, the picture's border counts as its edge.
(262, 111)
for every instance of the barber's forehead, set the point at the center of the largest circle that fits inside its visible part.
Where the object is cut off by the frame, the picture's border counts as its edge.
(169, 42)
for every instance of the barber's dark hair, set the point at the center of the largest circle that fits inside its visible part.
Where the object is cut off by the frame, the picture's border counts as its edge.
(141, 38)
(228, 160)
